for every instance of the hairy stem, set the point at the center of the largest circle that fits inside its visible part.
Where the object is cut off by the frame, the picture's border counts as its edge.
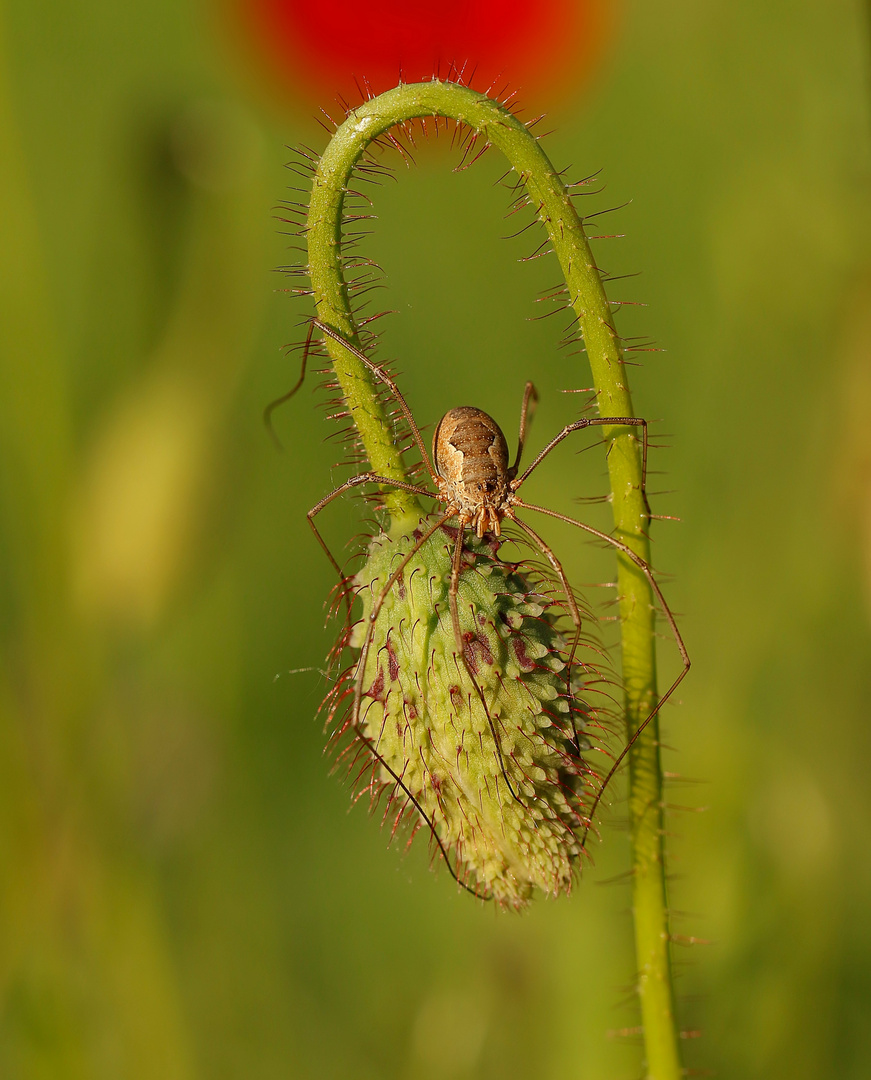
(495, 125)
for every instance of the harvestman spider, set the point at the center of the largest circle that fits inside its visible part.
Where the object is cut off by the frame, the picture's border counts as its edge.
(474, 481)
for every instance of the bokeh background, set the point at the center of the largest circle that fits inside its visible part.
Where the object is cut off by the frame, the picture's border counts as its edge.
(184, 892)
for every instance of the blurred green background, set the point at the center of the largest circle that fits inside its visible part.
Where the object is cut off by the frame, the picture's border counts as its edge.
(184, 893)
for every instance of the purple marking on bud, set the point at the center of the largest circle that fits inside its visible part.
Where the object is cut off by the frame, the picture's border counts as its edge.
(377, 688)
(477, 651)
(392, 662)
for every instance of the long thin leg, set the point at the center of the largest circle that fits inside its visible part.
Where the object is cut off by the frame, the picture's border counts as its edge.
(364, 738)
(382, 376)
(356, 481)
(378, 603)
(453, 595)
(273, 405)
(571, 602)
(579, 425)
(530, 400)
(454, 591)
(666, 610)
(358, 694)
(453, 603)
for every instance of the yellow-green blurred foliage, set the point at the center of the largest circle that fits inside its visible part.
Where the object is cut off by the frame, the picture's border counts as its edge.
(183, 893)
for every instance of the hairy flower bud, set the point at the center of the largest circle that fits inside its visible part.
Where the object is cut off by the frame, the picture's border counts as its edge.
(487, 748)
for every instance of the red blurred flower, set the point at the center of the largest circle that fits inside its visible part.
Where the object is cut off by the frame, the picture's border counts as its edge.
(325, 48)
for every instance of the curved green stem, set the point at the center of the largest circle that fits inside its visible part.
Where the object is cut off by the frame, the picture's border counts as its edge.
(548, 196)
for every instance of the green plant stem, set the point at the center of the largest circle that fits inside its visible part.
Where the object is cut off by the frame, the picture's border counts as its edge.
(548, 196)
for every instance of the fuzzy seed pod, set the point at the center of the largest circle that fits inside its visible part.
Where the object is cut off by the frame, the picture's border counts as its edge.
(501, 786)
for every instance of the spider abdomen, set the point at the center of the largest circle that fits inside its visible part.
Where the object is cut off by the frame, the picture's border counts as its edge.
(471, 459)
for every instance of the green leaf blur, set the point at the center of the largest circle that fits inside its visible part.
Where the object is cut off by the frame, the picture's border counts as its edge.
(183, 891)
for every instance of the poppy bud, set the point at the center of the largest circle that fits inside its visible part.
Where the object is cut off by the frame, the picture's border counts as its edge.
(502, 784)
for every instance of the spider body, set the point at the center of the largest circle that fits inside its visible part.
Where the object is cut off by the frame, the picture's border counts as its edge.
(471, 462)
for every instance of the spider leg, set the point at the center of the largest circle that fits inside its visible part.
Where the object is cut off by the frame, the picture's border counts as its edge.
(358, 697)
(595, 421)
(355, 481)
(670, 619)
(530, 400)
(401, 784)
(571, 602)
(273, 405)
(453, 595)
(379, 603)
(389, 382)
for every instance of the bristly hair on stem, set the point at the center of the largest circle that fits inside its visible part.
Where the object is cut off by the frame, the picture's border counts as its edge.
(331, 234)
